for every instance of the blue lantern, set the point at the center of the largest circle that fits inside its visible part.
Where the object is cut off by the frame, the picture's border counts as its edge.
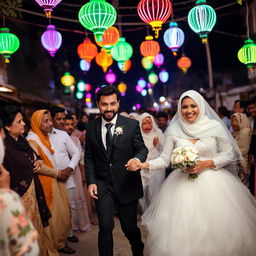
(163, 76)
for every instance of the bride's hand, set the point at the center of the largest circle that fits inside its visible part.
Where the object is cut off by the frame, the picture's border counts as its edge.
(200, 166)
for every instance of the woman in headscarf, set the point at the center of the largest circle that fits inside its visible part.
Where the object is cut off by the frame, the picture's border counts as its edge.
(212, 214)
(55, 191)
(242, 134)
(23, 163)
(17, 234)
(154, 140)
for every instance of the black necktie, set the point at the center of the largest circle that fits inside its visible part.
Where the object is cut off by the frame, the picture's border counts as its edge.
(109, 137)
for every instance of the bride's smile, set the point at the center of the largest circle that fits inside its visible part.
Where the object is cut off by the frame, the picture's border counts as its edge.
(189, 110)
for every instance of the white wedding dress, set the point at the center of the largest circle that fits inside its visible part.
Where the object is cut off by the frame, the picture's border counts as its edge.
(213, 215)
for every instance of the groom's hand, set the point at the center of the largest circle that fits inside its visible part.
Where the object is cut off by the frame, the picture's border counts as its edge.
(133, 164)
(92, 190)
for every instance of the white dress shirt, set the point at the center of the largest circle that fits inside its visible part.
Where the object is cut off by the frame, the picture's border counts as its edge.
(66, 153)
(104, 128)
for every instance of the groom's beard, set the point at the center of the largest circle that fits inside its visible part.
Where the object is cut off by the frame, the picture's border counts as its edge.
(110, 118)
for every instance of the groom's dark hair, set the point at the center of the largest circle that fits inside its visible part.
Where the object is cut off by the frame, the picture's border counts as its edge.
(106, 91)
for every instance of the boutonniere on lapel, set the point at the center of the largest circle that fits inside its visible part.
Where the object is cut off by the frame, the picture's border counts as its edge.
(119, 130)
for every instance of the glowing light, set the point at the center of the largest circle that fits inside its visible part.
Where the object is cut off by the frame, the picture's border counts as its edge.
(85, 65)
(163, 76)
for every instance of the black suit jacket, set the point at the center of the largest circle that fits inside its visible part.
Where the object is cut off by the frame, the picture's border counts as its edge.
(101, 168)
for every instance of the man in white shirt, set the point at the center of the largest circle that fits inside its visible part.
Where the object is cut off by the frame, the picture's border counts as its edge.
(67, 157)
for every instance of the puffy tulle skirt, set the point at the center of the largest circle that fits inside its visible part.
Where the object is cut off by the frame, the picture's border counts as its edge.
(213, 215)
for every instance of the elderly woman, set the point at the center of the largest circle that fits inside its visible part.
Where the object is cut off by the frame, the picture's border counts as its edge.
(18, 235)
(154, 140)
(22, 162)
(242, 134)
(54, 189)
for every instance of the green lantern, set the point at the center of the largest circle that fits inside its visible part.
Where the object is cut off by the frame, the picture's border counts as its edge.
(97, 16)
(122, 51)
(247, 54)
(202, 19)
(9, 43)
(152, 78)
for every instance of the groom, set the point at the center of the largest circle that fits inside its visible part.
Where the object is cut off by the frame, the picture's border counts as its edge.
(112, 141)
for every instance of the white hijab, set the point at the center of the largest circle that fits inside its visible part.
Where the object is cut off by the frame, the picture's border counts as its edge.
(148, 137)
(208, 124)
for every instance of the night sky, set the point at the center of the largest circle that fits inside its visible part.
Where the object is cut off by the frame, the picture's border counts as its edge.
(225, 40)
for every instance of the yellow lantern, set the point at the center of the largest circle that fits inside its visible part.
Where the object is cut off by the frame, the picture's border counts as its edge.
(67, 79)
(122, 87)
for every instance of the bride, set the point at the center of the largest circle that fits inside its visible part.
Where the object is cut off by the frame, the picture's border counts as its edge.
(212, 215)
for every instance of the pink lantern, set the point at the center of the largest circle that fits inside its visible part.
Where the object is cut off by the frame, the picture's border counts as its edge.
(51, 40)
(138, 88)
(110, 77)
(159, 60)
(48, 5)
(88, 87)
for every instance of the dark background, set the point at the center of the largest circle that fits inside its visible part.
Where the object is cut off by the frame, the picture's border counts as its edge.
(33, 70)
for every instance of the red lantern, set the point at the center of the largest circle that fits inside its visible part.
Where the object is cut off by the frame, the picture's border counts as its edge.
(149, 48)
(184, 63)
(125, 66)
(155, 13)
(109, 38)
(87, 50)
(104, 59)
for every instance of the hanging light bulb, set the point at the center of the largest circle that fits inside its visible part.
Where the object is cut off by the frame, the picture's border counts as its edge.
(154, 13)
(48, 5)
(202, 19)
(247, 54)
(110, 77)
(51, 40)
(163, 76)
(159, 60)
(97, 16)
(174, 37)
(9, 43)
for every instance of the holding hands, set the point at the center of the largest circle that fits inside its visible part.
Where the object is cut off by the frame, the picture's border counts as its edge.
(135, 164)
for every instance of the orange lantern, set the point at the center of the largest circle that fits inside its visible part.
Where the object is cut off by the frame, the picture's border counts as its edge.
(87, 50)
(184, 63)
(104, 59)
(109, 38)
(125, 66)
(149, 48)
(122, 87)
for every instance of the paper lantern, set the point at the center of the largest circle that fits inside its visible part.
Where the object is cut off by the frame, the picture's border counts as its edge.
(149, 48)
(154, 13)
(146, 63)
(48, 5)
(125, 66)
(97, 16)
(87, 50)
(104, 60)
(85, 65)
(184, 63)
(152, 78)
(163, 76)
(159, 60)
(9, 43)
(247, 54)
(174, 37)
(79, 95)
(202, 19)
(142, 83)
(122, 88)
(110, 77)
(122, 51)
(67, 79)
(51, 40)
(81, 86)
(109, 38)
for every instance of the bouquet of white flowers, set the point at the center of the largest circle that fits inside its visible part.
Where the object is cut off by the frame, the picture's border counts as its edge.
(183, 157)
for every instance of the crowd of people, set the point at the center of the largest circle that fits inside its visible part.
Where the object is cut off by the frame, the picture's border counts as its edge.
(65, 173)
